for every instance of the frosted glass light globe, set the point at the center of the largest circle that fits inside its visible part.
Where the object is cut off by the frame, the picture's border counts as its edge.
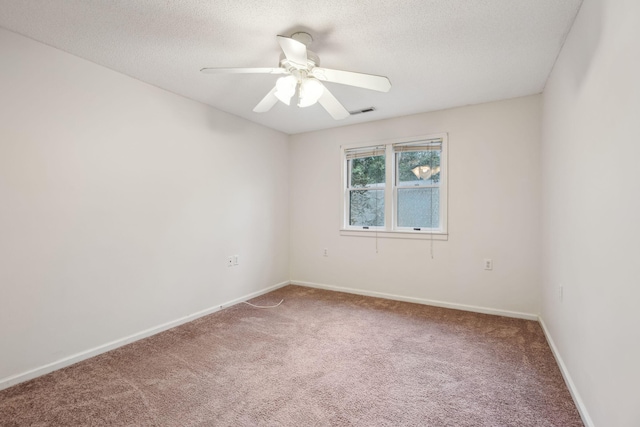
(286, 88)
(310, 91)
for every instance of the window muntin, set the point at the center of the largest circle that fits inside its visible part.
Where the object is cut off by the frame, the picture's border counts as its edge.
(398, 186)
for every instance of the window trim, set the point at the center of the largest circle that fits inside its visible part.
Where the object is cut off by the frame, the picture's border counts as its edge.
(390, 228)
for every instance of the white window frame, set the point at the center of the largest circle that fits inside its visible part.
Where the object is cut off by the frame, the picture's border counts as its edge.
(390, 228)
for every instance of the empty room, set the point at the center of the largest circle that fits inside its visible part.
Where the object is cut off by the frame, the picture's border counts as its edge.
(296, 213)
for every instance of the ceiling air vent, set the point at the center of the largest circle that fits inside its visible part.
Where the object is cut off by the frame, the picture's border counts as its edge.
(364, 110)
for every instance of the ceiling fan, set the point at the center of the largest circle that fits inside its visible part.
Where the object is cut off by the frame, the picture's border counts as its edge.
(302, 74)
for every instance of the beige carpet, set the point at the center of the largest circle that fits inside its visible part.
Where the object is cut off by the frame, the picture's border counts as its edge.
(321, 358)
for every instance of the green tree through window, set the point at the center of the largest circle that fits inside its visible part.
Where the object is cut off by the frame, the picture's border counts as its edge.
(367, 206)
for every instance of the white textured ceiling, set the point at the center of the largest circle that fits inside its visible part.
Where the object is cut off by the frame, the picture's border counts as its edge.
(437, 53)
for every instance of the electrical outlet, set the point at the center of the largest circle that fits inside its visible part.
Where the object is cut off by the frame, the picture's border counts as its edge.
(229, 261)
(488, 264)
(325, 252)
(561, 292)
(235, 260)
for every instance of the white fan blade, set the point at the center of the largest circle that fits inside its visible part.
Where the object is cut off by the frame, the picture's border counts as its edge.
(366, 81)
(244, 70)
(332, 105)
(294, 50)
(267, 102)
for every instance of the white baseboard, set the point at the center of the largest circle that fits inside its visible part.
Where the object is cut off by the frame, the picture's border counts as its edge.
(464, 307)
(586, 419)
(78, 357)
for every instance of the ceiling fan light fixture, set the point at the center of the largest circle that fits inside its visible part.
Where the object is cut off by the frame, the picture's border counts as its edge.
(310, 91)
(286, 88)
(304, 76)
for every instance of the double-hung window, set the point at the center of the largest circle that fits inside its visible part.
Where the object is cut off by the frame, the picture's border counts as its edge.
(366, 184)
(397, 187)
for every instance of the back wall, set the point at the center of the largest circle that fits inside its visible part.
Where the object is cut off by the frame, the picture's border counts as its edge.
(494, 197)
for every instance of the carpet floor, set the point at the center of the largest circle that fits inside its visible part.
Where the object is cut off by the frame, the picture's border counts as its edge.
(319, 359)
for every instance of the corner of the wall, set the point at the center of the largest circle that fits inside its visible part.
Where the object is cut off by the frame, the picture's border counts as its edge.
(582, 409)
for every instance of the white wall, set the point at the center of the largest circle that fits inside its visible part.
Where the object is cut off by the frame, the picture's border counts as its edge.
(591, 153)
(119, 203)
(494, 197)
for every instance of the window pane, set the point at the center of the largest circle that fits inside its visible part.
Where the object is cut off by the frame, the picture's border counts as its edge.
(419, 207)
(366, 208)
(419, 167)
(367, 171)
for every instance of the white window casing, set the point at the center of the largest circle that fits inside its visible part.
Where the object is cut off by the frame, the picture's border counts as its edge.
(392, 149)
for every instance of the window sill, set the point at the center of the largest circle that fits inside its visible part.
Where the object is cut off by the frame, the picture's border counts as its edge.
(385, 234)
